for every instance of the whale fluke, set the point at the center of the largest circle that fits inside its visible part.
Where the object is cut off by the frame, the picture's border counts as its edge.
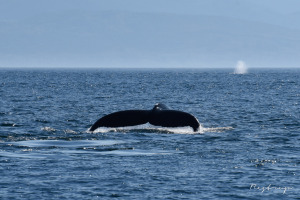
(160, 115)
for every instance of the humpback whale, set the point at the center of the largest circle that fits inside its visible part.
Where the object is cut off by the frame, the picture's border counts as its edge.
(160, 115)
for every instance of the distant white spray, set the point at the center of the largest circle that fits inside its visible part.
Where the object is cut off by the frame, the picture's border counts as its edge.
(240, 68)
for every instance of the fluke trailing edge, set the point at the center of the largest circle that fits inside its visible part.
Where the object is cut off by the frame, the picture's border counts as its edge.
(160, 115)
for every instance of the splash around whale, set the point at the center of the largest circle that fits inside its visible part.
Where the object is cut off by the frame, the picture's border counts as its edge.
(160, 115)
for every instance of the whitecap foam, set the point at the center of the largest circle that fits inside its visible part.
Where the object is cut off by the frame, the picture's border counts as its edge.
(150, 127)
(217, 129)
(48, 129)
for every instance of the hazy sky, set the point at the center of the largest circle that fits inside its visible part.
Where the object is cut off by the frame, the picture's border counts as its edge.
(21, 8)
(149, 33)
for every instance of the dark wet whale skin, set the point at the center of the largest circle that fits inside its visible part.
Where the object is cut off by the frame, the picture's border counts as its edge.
(160, 115)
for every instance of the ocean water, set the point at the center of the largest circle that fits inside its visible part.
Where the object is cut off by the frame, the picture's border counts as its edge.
(248, 146)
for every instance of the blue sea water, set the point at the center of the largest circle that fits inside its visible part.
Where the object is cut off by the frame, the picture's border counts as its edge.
(248, 146)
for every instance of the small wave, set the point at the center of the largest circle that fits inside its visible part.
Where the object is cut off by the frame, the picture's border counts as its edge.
(138, 152)
(48, 129)
(2, 113)
(44, 149)
(22, 155)
(63, 143)
(8, 124)
(260, 163)
(69, 131)
(217, 129)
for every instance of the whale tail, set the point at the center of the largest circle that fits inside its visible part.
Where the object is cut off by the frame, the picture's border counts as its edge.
(122, 119)
(174, 118)
(160, 115)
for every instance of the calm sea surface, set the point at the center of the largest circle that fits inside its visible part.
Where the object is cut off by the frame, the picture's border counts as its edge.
(248, 147)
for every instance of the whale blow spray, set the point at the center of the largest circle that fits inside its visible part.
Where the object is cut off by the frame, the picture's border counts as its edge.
(240, 68)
